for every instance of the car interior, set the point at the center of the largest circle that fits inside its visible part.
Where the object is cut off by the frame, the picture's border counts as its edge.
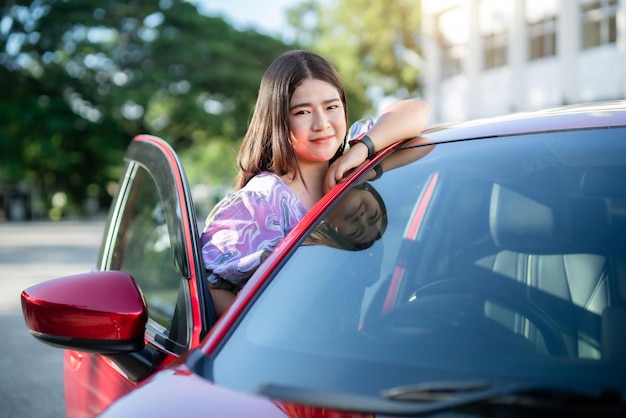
(539, 247)
(556, 231)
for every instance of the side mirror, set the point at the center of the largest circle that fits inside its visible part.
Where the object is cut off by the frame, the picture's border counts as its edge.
(100, 312)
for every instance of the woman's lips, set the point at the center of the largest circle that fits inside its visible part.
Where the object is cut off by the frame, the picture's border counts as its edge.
(323, 138)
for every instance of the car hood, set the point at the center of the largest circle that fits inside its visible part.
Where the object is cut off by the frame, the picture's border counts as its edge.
(180, 392)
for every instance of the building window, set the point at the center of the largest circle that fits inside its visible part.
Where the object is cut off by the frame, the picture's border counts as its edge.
(541, 17)
(452, 35)
(599, 22)
(494, 19)
(494, 50)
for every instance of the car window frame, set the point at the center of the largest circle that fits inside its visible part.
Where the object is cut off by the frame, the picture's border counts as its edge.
(196, 312)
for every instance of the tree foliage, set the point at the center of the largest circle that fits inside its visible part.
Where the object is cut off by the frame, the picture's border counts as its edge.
(80, 78)
(374, 45)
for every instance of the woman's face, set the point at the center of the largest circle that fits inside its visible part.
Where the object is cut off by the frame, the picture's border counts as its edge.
(317, 121)
(357, 217)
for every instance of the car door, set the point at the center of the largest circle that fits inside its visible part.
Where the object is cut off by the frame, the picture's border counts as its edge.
(151, 234)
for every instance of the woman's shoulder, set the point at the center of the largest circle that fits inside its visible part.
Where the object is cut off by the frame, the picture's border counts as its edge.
(264, 195)
(275, 193)
(263, 180)
(266, 185)
(263, 186)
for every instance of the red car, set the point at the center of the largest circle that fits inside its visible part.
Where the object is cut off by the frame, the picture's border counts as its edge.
(477, 270)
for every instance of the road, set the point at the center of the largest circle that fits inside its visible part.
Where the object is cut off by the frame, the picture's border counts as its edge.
(31, 373)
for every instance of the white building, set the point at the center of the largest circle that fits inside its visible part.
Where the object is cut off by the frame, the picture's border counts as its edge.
(491, 57)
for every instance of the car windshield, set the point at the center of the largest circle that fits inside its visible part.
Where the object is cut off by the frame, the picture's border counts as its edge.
(492, 259)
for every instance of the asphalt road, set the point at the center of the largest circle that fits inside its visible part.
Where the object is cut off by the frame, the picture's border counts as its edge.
(31, 373)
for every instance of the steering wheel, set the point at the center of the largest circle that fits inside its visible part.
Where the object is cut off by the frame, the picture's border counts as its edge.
(464, 310)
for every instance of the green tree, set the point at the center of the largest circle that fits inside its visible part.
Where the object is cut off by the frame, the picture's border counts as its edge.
(46, 142)
(80, 78)
(374, 45)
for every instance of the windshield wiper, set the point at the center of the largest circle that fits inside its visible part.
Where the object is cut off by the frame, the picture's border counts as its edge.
(428, 398)
(461, 394)
(437, 391)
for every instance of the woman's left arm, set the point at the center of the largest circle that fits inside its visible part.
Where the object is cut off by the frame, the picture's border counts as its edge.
(400, 120)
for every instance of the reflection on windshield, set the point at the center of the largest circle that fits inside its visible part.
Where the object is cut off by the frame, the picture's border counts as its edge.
(358, 219)
(514, 272)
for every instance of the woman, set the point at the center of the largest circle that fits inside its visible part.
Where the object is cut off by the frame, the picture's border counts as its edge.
(297, 130)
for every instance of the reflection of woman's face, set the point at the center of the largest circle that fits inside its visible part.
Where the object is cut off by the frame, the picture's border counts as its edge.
(357, 217)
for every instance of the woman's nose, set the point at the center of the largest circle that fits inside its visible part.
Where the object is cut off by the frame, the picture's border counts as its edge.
(320, 121)
(362, 221)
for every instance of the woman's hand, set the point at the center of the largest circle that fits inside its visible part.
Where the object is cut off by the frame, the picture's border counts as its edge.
(342, 166)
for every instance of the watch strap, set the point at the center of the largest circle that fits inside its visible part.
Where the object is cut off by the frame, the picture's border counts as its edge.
(371, 150)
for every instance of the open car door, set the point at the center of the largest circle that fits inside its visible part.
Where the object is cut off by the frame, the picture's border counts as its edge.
(151, 239)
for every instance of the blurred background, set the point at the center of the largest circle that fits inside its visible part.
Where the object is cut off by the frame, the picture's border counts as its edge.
(80, 78)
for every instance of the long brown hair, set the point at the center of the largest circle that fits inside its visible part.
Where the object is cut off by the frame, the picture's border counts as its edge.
(267, 143)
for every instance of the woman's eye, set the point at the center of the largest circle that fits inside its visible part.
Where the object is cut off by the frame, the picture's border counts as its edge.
(374, 217)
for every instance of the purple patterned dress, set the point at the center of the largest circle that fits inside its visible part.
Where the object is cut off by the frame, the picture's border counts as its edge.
(245, 227)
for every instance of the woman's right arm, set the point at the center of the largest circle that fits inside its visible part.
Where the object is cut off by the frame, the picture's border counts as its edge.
(400, 120)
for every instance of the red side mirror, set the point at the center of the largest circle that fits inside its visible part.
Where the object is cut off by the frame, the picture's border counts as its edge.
(102, 312)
